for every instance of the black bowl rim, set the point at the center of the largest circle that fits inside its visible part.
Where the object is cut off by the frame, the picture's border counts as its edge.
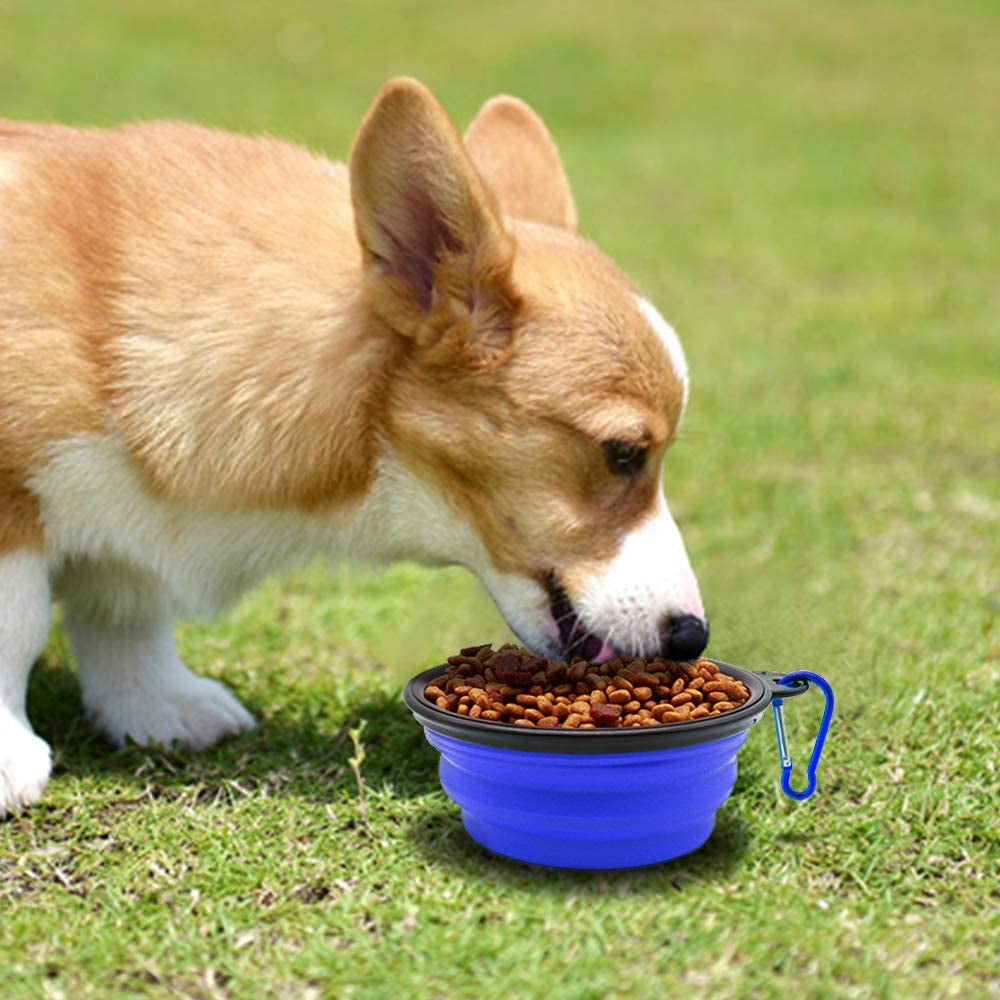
(763, 687)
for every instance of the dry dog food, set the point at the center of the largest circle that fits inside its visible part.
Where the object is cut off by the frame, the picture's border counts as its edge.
(515, 686)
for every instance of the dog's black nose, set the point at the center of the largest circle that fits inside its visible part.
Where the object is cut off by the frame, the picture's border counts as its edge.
(684, 637)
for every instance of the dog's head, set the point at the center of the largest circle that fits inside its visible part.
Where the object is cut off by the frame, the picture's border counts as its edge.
(538, 389)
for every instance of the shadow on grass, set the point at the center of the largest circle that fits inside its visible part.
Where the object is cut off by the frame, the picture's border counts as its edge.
(439, 835)
(305, 755)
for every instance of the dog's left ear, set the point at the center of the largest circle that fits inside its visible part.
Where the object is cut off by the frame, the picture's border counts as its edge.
(437, 258)
(518, 158)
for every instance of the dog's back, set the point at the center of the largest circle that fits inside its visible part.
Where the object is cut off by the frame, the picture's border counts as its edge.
(148, 269)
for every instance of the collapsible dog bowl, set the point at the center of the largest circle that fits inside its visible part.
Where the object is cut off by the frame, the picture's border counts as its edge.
(603, 798)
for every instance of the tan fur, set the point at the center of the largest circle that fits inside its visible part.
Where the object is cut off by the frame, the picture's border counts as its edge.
(218, 301)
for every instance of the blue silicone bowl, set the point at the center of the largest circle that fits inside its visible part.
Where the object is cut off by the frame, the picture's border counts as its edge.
(595, 798)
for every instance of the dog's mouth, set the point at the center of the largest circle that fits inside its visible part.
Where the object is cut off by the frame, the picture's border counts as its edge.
(573, 634)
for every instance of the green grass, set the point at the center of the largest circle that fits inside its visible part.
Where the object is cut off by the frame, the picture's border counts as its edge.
(810, 192)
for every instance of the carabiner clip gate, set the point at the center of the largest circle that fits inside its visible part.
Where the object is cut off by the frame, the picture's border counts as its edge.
(817, 750)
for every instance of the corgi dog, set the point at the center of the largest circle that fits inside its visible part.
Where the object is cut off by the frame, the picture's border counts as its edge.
(221, 356)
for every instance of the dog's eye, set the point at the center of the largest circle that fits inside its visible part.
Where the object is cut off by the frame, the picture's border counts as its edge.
(624, 459)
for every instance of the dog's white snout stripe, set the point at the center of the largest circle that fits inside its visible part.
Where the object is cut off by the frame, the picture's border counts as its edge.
(668, 338)
(649, 579)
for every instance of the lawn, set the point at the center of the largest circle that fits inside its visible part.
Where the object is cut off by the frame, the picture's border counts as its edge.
(810, 192)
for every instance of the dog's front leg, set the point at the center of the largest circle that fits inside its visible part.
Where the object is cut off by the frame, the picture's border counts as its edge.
(25, 613)
(133, 682)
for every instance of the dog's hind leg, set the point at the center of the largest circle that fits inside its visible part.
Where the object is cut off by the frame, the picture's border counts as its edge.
(25, 615)
(133, 682)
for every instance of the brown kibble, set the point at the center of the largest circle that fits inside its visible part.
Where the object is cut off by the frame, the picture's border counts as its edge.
(474, 650)
(508, 669)
(605, 715)
(513, 686)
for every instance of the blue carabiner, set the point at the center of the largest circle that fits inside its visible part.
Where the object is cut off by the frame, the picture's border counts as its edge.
(779, 728)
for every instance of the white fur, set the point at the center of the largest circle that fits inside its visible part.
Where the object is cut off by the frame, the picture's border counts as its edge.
(25, 611)
(135, 685)
(649, 579)
(668, 338)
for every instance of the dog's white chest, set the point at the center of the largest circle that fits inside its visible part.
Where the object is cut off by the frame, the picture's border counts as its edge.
(94, 507)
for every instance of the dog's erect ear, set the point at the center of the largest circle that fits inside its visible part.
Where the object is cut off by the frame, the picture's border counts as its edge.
(437, 257)
(518, 158)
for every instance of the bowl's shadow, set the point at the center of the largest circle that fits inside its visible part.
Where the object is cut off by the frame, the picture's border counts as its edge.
(438, 834)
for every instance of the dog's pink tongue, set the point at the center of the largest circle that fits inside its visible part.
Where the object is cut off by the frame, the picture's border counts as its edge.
(597, 650)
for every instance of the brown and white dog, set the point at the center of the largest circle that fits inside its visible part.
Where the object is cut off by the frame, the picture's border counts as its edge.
(220, 356)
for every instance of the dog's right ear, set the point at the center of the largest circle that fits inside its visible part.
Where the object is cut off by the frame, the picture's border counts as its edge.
(437, 257)
(518, 158)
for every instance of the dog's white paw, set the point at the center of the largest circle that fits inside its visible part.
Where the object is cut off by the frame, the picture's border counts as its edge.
(25, 763)
(193, 711)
